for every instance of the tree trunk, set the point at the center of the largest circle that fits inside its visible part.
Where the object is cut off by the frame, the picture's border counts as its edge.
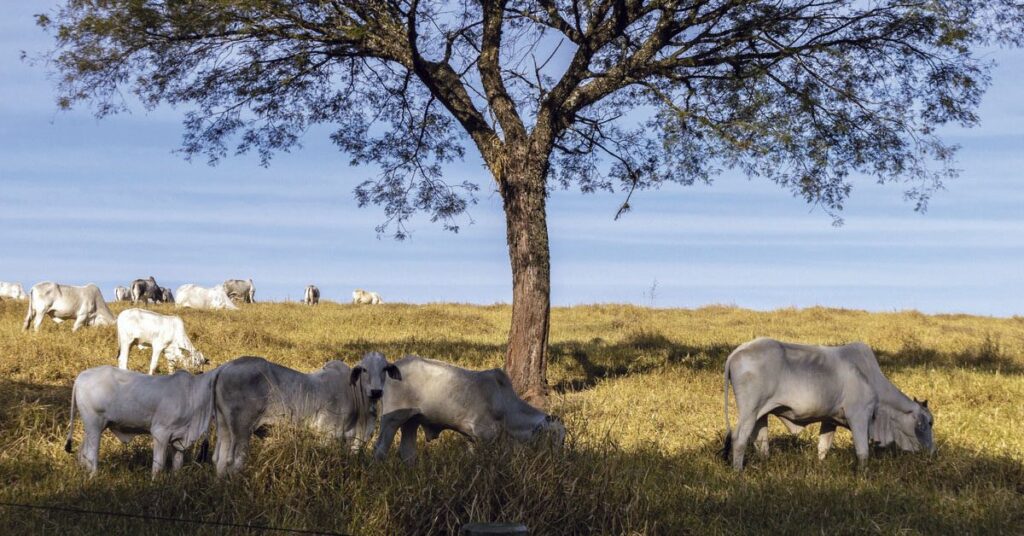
(524, 194)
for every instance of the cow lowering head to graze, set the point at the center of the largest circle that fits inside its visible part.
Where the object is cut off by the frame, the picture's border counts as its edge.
(241, 289)
(480, 405)
(122, 293)
(164, 333)
(312, 296)
(13, 291)
(197, 297)
(360, 296)
(252, 392)
(176, 410)
(831, 385)
(64, 302)
(145, 290)
(166, 296)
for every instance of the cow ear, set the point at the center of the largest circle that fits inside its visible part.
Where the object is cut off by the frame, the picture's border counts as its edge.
(393, 372)
(355, 375)
(925, 403)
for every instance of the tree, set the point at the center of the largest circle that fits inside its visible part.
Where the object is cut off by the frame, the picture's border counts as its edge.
(617, 95)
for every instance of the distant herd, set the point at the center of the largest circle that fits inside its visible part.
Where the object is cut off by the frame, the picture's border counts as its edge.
(840, 386)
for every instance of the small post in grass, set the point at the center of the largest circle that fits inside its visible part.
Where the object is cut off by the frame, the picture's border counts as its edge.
(494, 529)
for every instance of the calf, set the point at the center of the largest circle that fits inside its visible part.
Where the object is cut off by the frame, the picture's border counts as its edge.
(64, 302)
(176, 410)
(480, 405)
(166, 334)
(338, 401)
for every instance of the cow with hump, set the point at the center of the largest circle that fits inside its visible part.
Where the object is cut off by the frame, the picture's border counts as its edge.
(176, 410)
(480, 405)
(64, 302)
(13, 291)
(837, 386)
(336, 400)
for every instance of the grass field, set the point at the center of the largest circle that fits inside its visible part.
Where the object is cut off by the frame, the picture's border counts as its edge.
(640, 391)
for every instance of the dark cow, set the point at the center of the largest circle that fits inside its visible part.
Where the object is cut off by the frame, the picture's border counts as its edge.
(145, 290)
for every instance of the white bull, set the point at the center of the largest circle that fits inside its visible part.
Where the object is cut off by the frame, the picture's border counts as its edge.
(64, 302)
(164, 333)
(203, 298)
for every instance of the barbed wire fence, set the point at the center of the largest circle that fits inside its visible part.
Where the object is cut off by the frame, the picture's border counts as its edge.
(166, 519)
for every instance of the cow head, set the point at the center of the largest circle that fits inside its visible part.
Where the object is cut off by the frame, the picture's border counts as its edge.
(373, 368)
(196, 359)
(550, 431)
(921, 419)
(166, 296)
(20, 291)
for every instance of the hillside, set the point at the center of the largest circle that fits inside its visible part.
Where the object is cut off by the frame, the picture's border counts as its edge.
(640, 391)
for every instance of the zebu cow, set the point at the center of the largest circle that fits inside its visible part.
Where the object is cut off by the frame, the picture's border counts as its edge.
(478, 404)
(312, 295)
(145, 290)
(166, 296)
(190, 295)
(833, 385)
(166, 334)
(64, 302)
(13, 291)
(360, 296)
(338, 401)
(239, 289)
(176, 410)
(122, 294)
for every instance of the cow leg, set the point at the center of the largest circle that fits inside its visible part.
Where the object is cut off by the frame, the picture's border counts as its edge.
(28, 317)
(828, 431)
(161, 448)
(407, 447)
(38, 321)
(859, 426)
(225, 444)
(389, 424)
(760, 434)
(89, 452)
(744, 428)
(177, 460)
(79, 322)
(155, 360)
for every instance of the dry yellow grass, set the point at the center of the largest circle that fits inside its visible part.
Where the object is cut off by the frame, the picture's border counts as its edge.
(640, 390)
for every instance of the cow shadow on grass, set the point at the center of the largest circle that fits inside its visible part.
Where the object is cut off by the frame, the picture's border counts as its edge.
(592, 486)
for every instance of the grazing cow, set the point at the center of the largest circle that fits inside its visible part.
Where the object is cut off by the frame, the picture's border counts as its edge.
(122, 294)
(360, 296)
(239, 289)
(312, 295)
(166, 334)
(833, 385)
(64, 302)
(145, 290)
(166, 296)
(13, 291)
(190, 295)
(338, 401)
(478, 404)
(176, 410)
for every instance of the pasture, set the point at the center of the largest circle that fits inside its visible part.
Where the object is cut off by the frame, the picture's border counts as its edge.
(640, 391)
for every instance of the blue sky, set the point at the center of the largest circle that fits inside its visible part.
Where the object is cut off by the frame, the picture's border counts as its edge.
(83, 200)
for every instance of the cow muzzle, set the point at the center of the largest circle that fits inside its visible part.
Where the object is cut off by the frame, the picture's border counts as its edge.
(376, 394)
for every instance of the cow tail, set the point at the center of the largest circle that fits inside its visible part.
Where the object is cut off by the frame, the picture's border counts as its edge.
(727, 447)
(71, 424)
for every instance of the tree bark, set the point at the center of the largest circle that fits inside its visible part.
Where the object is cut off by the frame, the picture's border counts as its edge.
(523, 191)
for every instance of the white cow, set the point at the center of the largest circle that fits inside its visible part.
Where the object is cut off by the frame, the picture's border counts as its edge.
(312, 296)
(165, 333)
(122, 294)
(13, 291)
(176, 410)
(360, 296)
(64, 302)
(203, 298)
